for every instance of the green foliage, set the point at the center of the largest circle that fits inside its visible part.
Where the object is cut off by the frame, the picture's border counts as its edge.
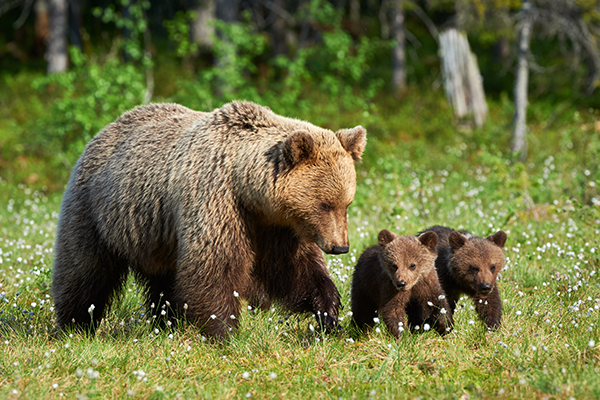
(89, 97)
(335, 68)
(230, 78)
(295, 77)
(133, 22)
(71, 107)
(178, 31)
(340, 64)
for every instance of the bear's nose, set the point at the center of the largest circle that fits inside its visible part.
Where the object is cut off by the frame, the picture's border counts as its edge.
(486, 287)
(400, 284)
(339, 249)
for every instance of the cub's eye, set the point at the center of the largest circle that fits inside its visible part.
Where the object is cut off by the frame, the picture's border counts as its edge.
(473, 268)
(394, 267)
(412, 266)
(326, 207)
(493, 268)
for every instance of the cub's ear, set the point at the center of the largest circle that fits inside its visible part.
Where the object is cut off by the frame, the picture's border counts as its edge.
(353, 141)
(456, 240)
(498, 238)
(299, 146)
(385, 237)
(429, 240)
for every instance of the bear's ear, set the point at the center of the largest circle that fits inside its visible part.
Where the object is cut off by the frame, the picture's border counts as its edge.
(299, 146)
(353, 141)
(498, 238)
(456, 240)
(385, 237)
(429, 240)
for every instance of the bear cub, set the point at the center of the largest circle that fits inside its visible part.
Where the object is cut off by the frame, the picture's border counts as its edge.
(396, 272)
(469, 264)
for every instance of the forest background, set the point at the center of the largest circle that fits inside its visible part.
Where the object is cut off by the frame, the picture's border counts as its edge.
(67, 68)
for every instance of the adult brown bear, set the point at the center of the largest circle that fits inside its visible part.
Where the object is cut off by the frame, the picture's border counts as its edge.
(198, 205)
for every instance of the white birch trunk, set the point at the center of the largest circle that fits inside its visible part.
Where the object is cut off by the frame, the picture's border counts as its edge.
(399, 52)
(462, 80)
(519, 143)
(56, 53)
(202, 27)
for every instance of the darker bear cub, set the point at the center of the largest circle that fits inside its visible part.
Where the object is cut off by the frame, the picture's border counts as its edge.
(396, 272)
(469, 264)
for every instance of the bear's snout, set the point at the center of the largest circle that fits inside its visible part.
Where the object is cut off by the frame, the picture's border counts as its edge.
(339, 249)
(485, 288)
(401, 285)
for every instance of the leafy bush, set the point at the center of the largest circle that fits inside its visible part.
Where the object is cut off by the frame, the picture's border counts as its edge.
(90, 96)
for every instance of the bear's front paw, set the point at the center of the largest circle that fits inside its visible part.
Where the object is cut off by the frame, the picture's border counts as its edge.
(328, 324)
(493, 324)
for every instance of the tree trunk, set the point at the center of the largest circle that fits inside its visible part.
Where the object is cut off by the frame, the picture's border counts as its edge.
(462, 80)
(383, 19)
(149, 68)
(593, 57)
(127, 34)
(501, 49)
(399, 55)
(227, 12)
(278, 28)
(354, 10)
(74, 22)
(519, 144)
(56, 53)
(203, 29)
(42, 31)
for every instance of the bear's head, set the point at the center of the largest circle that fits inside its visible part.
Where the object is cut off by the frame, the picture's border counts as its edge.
(407, 258)
(316, 183)
(476, 262)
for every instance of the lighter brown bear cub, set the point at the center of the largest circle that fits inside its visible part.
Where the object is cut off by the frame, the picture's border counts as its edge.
(198, 205)
(470, 264)
(396, 273)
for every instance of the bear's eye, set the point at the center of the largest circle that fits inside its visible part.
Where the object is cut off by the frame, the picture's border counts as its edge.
(493, 268)
(326, 207)
(473, 268)
(412, 266)
(394, 267)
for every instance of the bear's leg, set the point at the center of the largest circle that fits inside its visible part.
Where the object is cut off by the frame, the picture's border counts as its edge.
(439, 313)
(257, 295)
(452, 297)
(209, 296)
(213, 307)
(393, 313)
(363, 309)
(304, 285)
(415, 313)
(86, 275)
(489, 308)
(161, 301)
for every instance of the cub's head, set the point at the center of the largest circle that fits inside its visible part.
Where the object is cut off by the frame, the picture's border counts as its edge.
(316, 183)
(476, 262)
(407, 258)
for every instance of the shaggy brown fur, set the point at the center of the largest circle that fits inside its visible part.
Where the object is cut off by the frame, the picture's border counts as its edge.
(395, 273)
(469, 264)
(195, 203)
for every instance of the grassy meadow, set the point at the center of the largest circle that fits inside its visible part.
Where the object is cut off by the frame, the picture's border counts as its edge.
(420, 169)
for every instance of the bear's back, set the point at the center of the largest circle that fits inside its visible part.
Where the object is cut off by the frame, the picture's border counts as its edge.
(143, 129)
